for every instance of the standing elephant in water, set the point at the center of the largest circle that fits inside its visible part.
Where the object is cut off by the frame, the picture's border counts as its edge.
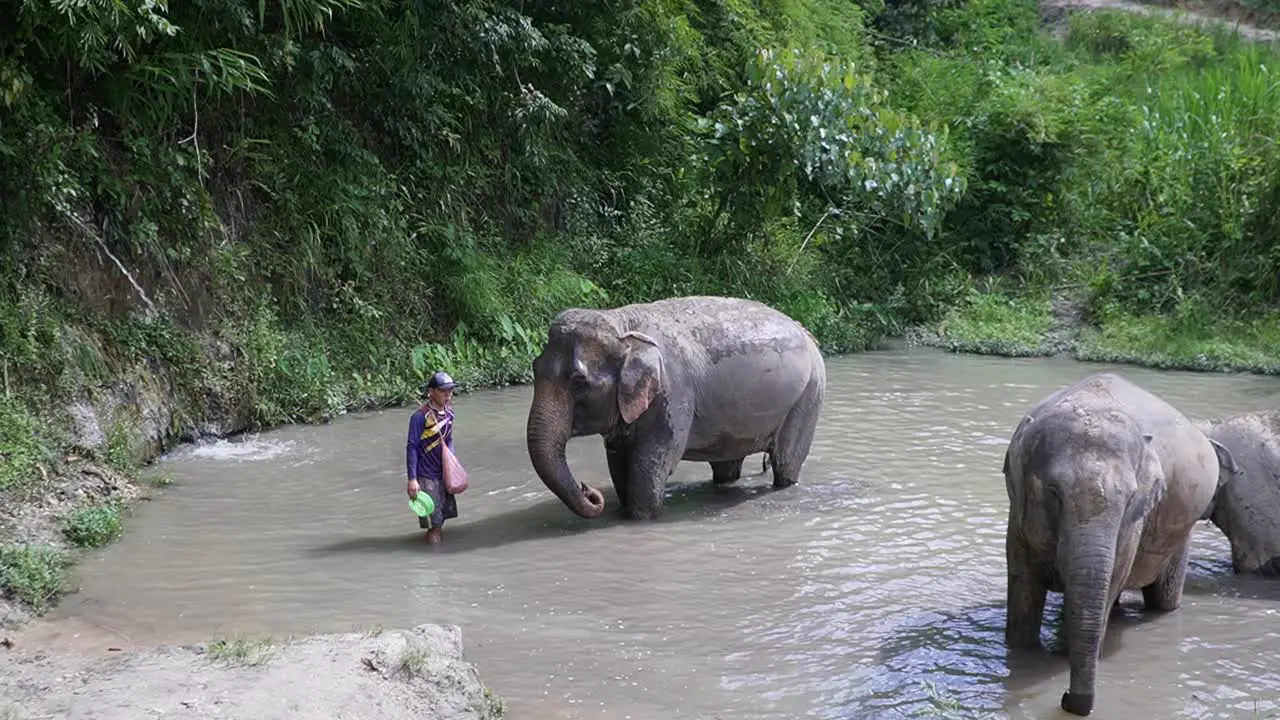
(1105, 482)
(708, 379)
(1247, 506)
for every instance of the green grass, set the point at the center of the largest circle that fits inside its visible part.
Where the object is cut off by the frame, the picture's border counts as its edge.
(159, 479)
(94, 526)
(1192, 338)
(122, 452)
(997, 323)
(33, 574)
(21, 452)
(413, 659)
(240, 652)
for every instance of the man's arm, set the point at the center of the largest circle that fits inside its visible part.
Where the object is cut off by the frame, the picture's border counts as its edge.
(411, 446)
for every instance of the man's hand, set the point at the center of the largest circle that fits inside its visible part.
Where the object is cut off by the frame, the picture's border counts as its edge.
(413, 489)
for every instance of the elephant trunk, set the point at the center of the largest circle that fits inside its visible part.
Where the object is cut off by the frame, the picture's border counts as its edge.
(548, 430)
(1086, 563)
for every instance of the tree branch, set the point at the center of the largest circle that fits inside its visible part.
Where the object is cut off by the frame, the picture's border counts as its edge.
(808, 237)
(80, 224)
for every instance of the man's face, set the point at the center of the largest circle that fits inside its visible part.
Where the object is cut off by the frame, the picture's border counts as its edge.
(441, 396)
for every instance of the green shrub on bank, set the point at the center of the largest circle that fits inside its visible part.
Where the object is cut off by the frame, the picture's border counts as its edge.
(94, 526)
(33, 574)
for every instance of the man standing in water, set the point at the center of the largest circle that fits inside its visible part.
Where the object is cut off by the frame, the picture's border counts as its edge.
(430, 429)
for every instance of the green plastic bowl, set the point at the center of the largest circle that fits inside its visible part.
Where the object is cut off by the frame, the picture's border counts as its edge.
(422, 505)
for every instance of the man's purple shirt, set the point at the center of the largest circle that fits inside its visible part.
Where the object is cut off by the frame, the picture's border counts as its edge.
(423, 455)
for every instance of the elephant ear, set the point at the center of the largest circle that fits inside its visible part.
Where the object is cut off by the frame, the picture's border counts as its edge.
(1151, 484)
(1226, 460)
(641, 376)
(1227, 469)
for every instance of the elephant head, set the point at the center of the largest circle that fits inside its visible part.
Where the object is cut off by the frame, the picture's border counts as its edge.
(591, 376)
(1246, 507)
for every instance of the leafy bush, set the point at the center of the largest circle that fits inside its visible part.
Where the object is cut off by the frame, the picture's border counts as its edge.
(806, 126)
(33, 574)
(95, 526)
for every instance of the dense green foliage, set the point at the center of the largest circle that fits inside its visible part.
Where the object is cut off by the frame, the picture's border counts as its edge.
(327, 184)
(1135, 160)
(313, 203)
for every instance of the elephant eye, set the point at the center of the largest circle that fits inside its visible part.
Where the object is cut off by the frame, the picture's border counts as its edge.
(578, 382)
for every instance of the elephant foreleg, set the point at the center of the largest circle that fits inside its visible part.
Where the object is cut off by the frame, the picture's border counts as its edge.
(726, 471)
(1166, 592)
(1026, 595)
(653, 457)
(619, 460)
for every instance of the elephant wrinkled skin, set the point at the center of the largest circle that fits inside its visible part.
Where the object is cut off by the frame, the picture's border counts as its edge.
(1105, 483)
(708, 379)
(1247, 506)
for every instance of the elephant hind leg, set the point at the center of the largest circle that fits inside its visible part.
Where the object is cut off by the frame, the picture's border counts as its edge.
(725, 472)
(1165, 593)
(795, 437)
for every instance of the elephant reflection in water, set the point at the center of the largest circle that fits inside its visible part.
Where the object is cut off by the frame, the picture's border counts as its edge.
(708, 379)
(1105, 483)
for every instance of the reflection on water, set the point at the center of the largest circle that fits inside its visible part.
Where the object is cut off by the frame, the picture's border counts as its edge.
(844, 597)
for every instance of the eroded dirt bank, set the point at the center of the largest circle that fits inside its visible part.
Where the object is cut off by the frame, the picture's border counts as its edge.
(391, 675)
(1194, 13)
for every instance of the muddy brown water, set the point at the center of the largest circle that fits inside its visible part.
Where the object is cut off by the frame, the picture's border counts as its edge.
(842, 597)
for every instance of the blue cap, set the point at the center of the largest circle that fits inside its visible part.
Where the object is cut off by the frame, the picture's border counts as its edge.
(441, 380)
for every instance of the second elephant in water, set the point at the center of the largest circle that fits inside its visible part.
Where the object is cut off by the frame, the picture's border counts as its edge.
(1247, 506)
(710, 379)
(1105, 482)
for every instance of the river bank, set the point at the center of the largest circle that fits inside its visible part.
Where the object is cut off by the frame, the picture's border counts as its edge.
(1059, 323)
(394, 674)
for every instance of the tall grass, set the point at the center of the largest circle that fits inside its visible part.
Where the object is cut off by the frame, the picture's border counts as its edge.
(1187, 194)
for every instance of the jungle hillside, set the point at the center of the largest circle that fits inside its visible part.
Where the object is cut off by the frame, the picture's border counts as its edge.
(252, 213)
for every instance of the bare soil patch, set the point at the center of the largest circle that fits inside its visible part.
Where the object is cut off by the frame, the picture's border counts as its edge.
(392, 675)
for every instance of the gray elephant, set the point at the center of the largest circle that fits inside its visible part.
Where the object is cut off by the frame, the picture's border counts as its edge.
(1105, 482)
(1246, 507)
(710, 379)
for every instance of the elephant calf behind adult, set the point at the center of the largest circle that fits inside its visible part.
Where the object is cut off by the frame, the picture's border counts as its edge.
(1247, 506)
(1105, 482)
(710, 379)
